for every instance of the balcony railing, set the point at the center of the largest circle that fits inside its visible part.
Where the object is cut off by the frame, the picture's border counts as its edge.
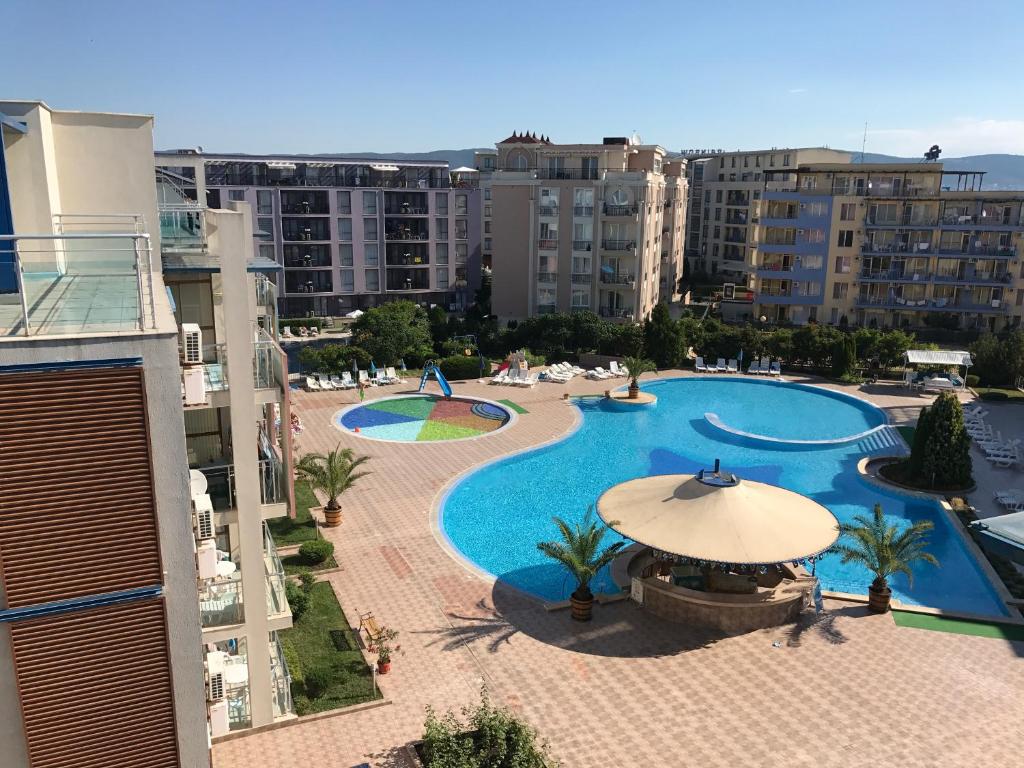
(277, 602)
(619, 312)
(900, 221)
(266, 291)
(547, 277)
(618, 278)
(268, 363)
(547, 243)
(182, 227)
(908, 248)
(896, 275)
(280, 680)
(901, 190)
(567, 173)
(583, 210)
(581, 278)
(304, 208)
(582, 245)
(407, 235)
(547, 309)
(620, 210)
(618, 245)
(1004, 251)
(220, 602)
(548, 210)
(79, 283)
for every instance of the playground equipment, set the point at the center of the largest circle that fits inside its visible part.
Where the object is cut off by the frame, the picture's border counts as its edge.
(430, 369)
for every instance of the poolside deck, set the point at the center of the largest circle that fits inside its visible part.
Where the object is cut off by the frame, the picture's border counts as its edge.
(629, 689)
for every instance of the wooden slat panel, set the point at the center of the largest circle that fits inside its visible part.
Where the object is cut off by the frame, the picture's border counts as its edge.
(76, 511)
(95, 687)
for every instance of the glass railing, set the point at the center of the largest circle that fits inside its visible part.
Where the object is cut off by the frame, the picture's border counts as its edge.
(277, 602)
(266, 291)
(220, 602)
(280, 680)
(182, 226)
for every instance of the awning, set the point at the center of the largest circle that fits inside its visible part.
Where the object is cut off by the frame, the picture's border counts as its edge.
(280, 164)
(382, 167)
(464, 169)
(938, 357)
(355, 314)
(717, 518)
(1003, 535)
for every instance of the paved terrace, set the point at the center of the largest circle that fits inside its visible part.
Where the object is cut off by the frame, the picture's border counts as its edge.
(629, 689)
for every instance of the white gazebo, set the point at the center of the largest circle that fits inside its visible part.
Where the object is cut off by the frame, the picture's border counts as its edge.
(939, 357)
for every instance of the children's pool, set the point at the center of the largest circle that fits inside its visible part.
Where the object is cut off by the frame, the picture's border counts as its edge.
(422, 418)
(496, 515)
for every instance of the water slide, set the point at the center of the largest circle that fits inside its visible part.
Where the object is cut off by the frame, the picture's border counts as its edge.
(429, 369)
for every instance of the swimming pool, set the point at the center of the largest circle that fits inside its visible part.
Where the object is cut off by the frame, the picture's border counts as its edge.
(496, 515)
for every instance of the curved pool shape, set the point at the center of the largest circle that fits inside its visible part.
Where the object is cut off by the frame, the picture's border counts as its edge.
(496, 515)
(422, 418)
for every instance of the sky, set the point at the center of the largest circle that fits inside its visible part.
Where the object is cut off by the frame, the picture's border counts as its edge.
(397, 76)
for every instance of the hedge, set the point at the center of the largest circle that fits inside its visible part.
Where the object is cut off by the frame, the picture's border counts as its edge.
(460, 367)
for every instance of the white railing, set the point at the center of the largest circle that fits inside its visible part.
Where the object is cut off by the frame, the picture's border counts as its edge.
(280, 679)
(277, 602)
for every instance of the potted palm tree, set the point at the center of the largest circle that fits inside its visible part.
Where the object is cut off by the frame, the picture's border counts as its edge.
(385, 649)
(332, 474)
(884, 550)
(637, 367)
(578, 552)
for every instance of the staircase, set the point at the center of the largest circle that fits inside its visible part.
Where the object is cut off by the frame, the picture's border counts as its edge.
(884, 440)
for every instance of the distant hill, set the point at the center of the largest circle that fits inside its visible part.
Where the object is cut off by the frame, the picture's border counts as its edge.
(456, 157)
(1002, 172)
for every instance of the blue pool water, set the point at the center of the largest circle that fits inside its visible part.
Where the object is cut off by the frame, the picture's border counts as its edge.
(496, 515)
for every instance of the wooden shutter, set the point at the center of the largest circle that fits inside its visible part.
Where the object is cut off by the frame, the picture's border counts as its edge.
(77, 516)
(95, 687)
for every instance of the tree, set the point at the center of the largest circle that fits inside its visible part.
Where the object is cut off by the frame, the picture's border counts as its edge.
(663, 338)
(998, 362)
(884, 550)
(637, 367)
(332, 474)
(398, 330)
(844, 357)
(922, 433)
(892, 345)
(947, 453)
(310, 358)
(438, 320)
(578, 552)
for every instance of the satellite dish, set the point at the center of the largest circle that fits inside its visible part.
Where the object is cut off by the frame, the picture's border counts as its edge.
(635, 139)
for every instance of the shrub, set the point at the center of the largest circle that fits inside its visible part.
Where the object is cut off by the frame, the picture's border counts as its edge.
(316, 551)
(302, 704)
(994, 396)
(972, 380)
(306, 580)
(292, 660)
(947, 457)
(317, 681)
(298, 599)
(460, 367)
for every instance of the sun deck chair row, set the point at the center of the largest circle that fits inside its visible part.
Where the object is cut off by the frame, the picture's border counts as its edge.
(560, 373)
(319, 382)
(1012, 499)
(614, 370)
(516, 377)
(1002, 453)
(286, 332)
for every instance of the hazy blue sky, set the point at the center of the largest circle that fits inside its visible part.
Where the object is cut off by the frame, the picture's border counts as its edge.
(316, 76)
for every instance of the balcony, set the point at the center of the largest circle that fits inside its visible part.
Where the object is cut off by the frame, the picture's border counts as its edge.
(903, 222)
(618, 278)
(547, 277)
(266, 291)
(583, 210)
(618, 245)
(893, 275)
(566, 173)
(280, 680)
(79, 282)
(220, 600)
(277, 602)
(581, 278)
(617, 313)
(620, 210)
(547, 210)
(182, 227)
(548, 243)
(547, 309)
(996, 278)
(899, 190)
(997, 251)
(406, 234)
(583, 245)
(870, 247)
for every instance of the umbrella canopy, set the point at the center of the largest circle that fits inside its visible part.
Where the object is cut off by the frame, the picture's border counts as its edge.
(718, 518)
(373, 367)
(464, 169)
(355, 314)
(355, 366)
(401, 363)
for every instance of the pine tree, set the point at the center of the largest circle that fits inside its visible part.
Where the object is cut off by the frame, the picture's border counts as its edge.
(946, 457)
(663, 338)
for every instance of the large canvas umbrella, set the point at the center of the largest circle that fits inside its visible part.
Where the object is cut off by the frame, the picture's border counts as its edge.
(718, 519)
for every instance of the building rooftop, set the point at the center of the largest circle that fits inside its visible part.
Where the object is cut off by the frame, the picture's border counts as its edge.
(314, 159)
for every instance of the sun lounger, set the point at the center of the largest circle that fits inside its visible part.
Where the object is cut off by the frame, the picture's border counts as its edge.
(325, 382)
(392, 375)
(617, 370)
(1005, 461)
(776, 368)
(286, 332)
(526, 381)
(312, 385)
(364, 379)
(337, 383)
(731, 367)
(765, 367)
(346, 380)
(720, 365)
(753, 367)
(699, 366)
(499, 378)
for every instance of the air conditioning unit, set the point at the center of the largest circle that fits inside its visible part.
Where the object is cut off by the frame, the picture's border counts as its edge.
(206, 559)
(202, 517)
(191, 344)
(215, 686)
(194, 385)
(219, 722)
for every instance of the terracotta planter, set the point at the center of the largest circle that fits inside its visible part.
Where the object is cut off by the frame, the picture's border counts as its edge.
(332, 517)
(634, 391)
(582, 606)
(879, 597)
(383, 667)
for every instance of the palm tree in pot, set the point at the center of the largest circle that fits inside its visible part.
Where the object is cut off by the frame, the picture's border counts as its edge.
(579, 552)
(884, 550)
(637, 367)
(332, 474)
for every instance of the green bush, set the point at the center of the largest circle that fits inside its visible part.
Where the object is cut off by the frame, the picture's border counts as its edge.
(316, 551)
(972, 380)
(302, 704)
(317, 681)
(994, 396)
(947, 457)
(460, 367)
(307, 580)
(298, 599)
(292, 660)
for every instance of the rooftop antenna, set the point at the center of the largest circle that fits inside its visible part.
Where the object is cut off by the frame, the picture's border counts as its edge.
(864, 142)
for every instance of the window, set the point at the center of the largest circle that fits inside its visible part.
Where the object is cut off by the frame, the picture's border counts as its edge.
(372, 277)
(487, 193)
(488, 212)
(348, 284)
(461, 205)
(487, 227)
(461, 253)
(718, 214)
(236, 194)
(580, 297)
(757, 161)
(487, 247)
(718, 195)
(265, 226)
(746, 162)
(461, 229)
(785, 159)
(441, 229)
(345, 229)
(344, 202)
(834, 315)
(815, 236)
(816, 209)
(264, 201)
(809, 182)
(267, 251)
(845, 239)
(840, 290)
(733, 163)
(345, 255)
(441, 203)
(812, 261)
(442, 279)
(370, 229)
(370, 203)
(843, 265)
(371, 254)
(441, 253)
(718, 232)
(771, 161)
(847, 211)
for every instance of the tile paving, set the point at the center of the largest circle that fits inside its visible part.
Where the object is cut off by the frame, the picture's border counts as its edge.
(849, 689)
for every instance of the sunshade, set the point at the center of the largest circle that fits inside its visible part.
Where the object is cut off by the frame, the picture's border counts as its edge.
(1003, 535)
(464, 169)
(938, 357)
(719, 519)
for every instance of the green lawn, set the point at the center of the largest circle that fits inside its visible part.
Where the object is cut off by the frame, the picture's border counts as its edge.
(287, 531)
(1013, 395)
(958, 626)
(294, 564)
(907, 433)
(323, 639)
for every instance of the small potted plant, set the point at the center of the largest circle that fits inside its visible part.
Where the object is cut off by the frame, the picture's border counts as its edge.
(332, 474)
(385, 649)
(637, 367)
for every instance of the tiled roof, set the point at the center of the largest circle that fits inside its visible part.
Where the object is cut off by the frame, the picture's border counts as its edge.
(526, 138)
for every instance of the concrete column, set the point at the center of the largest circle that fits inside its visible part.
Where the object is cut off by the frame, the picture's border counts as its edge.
(232, 243)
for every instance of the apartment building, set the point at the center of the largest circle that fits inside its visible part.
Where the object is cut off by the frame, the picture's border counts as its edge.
(888, 245)
(100, 633)
(350, 234)
(724, 188)
(581, 227)
(486, 162)
(234, 382)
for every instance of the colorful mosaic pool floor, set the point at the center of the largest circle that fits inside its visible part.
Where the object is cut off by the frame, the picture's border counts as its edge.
(423, 418)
